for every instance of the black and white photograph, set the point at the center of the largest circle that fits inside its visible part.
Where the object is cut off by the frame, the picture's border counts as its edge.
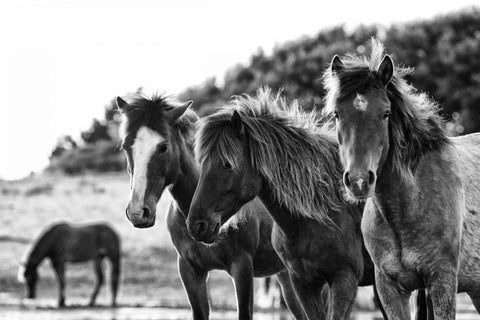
(239, 160)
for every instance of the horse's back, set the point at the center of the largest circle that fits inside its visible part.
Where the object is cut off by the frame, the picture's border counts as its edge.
(82, 243)
(467, 152)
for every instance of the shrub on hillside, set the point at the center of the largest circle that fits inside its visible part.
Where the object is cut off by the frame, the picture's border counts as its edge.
(103, 156)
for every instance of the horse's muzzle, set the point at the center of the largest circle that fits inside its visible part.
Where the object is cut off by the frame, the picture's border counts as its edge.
(141, 219)
(203, 230)
(358, 185)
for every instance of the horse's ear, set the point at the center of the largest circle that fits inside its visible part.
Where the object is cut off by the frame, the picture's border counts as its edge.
(237, 124)
(385, 71)
(336, 65)
(121, 104)
(177, 112)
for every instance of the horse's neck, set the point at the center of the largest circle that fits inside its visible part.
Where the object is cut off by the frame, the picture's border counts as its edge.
(284, 218)
(40, 250)
(393, 193)
(184, 188)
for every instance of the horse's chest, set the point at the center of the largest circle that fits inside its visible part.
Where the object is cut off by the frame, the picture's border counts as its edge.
(379, 238)
(389, 254)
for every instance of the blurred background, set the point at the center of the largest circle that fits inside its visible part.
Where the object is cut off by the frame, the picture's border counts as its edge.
(63, 62)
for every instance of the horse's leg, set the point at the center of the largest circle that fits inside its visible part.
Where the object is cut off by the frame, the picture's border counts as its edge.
(422, 311)
(195, 283)
(442, 288)
(241, 271)
(59, 267)
(394, 299)
(99, 280)
(310, 298)
(343, 291)
(115, 275)
(379, 303)
(429, 306)
(289, 295)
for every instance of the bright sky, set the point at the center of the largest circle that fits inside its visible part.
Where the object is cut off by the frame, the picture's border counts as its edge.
(61, 61)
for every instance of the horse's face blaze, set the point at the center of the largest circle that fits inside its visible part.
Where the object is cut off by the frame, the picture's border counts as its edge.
(362, 129)
(153, 164)
(221, 191)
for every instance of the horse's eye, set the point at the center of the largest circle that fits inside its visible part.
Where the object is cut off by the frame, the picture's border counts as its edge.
(336, 115)
(227, 165)
(162, 148)
(386, 114)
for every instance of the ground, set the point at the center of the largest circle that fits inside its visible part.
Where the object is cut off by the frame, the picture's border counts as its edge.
(151, 287)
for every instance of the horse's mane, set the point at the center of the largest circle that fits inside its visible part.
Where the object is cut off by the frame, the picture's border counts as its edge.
(153, 113)
(296, 158)
(415, 124)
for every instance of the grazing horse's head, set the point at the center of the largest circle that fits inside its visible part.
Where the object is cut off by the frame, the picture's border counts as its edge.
(225, 185)
(358, 97)
(28, 274)
(152, 138)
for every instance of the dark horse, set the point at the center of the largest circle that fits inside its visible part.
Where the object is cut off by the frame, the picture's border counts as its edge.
(422, 189)
(262, 147)
(158, 137)
(63, 243)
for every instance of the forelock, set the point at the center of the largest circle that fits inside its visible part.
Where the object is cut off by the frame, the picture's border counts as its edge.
(358, 75)
(153, 113)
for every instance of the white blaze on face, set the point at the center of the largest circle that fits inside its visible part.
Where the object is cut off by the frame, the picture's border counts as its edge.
(360, 102)
(21, 274)
(143, 148)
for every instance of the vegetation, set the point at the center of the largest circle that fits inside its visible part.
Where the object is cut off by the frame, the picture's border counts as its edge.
(443, 52)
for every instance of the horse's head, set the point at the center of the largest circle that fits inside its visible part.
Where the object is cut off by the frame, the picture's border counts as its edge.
(28, 275)
(152, 152)
(227, 178)
(362, 109)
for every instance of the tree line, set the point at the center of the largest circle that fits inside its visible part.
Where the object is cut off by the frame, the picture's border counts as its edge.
(444, 52)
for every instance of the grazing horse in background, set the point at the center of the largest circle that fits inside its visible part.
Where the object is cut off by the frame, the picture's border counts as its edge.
(158, 137)
(422, 189)
(262, 147)
(63, 243)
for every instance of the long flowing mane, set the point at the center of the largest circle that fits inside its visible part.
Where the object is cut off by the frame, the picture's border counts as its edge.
(297, 159)
(415, 124)
(153, 113)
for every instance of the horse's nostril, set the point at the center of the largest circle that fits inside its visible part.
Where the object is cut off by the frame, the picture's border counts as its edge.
(371, 177)
(146, 213)
(202, 227)
(346, 179)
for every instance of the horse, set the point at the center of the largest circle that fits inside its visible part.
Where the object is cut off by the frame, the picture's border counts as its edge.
(262, 147)
(422, 217)
(63, 243)
(157, 137)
